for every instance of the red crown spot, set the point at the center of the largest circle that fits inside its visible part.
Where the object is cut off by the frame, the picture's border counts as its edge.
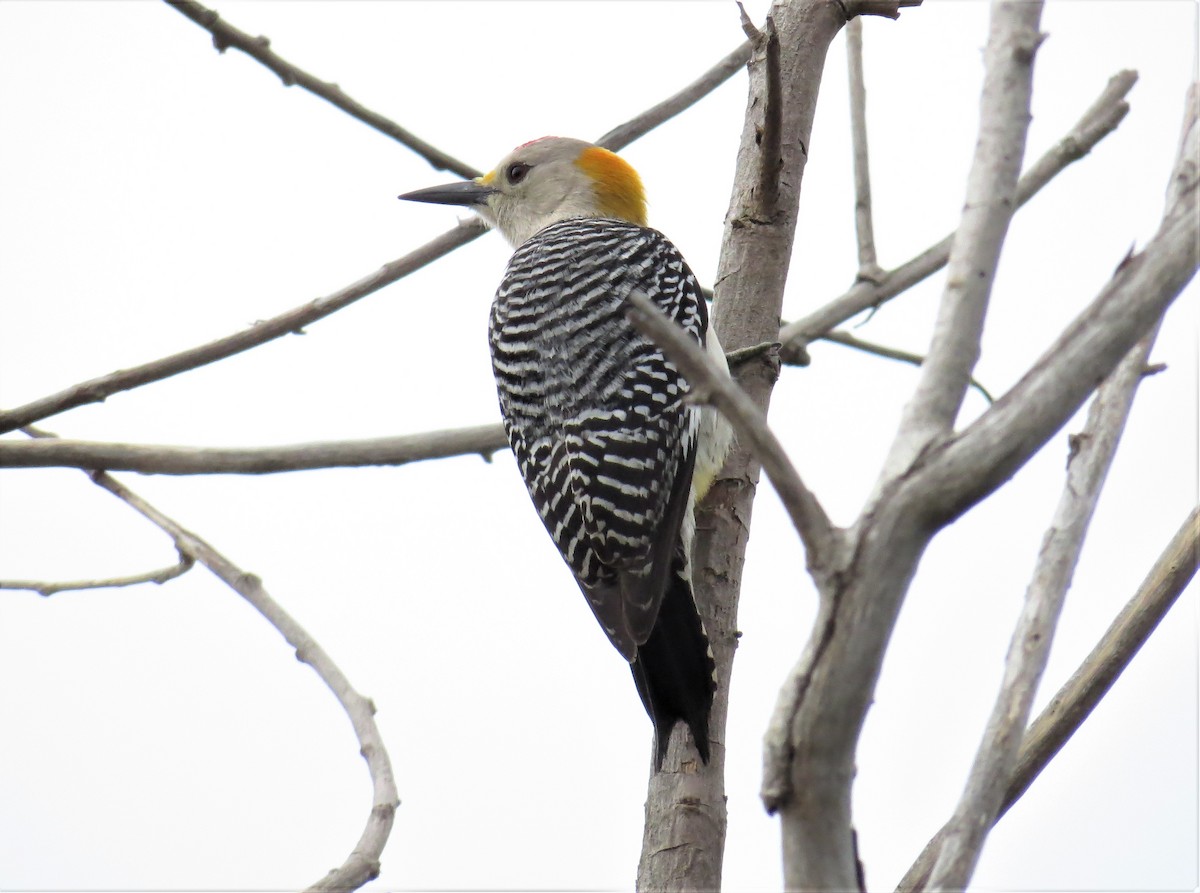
(531, 142)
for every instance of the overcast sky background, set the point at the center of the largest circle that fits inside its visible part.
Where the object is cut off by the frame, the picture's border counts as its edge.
(155, 195)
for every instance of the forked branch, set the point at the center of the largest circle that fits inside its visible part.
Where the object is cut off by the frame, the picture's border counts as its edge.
(1101, 119)
(1135, 300)
(991, 201)
(972, 463)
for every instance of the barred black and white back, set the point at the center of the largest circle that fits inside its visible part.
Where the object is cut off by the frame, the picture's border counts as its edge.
(606, 443)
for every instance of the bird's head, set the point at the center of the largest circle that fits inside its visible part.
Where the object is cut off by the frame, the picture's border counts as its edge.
(544, 181)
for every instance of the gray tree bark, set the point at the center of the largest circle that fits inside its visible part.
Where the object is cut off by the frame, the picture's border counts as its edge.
(684, 838)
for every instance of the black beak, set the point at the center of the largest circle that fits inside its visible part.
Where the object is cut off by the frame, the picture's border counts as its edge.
(468, 193)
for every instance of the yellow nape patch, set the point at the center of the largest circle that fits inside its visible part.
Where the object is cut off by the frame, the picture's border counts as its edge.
(619, 191)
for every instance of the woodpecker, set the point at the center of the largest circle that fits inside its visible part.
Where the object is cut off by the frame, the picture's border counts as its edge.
(613, 455)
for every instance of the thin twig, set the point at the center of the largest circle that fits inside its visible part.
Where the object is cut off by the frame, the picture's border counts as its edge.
(226, 35)
(362, 864)
(710, 385)
(482, 440)
(839, 336)
(868, 265)
(1097, 122)
(162, 575)
(635, 128)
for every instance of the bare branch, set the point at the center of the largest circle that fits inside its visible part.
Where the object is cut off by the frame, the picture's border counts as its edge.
(868, 265)
(259, 49)
(621, 136)
(162, 575)
(971, 464)
(1013, 40)
(889, 9)
(751, 352)
(1097, 122)
(1100, 119)
(1074, 702)
(839, 336)
(482, 440)
(686, 812)
(97, 389)
(1134, 300)
(1090, 457)
(362, 864)
(711, 385)
(809, 752)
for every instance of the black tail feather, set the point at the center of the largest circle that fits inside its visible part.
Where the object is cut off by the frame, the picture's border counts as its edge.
(674, 671)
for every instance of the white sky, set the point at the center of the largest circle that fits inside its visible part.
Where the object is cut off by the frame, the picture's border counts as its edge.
(155, 195)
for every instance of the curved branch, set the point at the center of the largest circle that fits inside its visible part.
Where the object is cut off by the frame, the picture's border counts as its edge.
(362, 864)
(162, 575)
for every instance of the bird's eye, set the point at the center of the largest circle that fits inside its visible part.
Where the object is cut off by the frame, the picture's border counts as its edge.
(516, 172)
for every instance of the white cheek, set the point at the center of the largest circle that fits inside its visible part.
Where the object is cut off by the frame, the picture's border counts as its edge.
(520, 217)
(516, 224)
(486, 214)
